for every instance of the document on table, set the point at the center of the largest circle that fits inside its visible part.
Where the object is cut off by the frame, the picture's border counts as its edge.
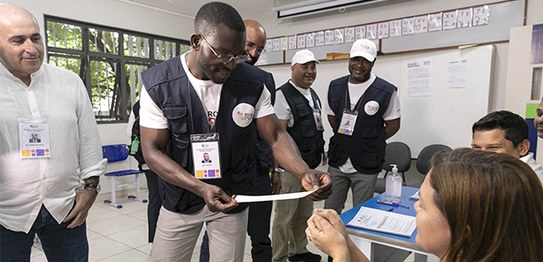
(383, 221)
(262, 198)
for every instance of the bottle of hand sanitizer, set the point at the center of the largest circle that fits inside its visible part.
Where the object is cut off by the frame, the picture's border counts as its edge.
(393, 193)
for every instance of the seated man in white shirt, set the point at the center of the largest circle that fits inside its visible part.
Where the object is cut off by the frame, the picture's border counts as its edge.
(505, 132)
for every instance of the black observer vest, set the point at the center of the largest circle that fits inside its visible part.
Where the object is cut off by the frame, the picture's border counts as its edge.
(169, 87)
(366, 147)
(309, 140)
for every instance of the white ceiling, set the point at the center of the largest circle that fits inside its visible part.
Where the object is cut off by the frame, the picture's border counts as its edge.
(189, 8)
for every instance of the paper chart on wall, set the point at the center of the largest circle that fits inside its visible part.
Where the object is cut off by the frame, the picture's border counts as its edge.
(457, 74)
(419, 75)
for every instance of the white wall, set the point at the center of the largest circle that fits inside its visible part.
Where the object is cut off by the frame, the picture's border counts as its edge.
(392, 11)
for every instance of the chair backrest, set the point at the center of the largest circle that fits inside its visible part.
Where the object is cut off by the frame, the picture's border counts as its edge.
(425, 155)
(397, 153)
(115, 153)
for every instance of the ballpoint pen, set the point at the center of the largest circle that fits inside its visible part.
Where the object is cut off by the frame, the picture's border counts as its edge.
(391, 204)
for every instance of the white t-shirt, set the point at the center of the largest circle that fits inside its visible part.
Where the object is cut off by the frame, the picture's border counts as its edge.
(282, 109)
(355, 92)
(151, 115)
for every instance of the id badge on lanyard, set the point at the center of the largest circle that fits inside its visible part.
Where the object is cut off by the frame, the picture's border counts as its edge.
(348, 121)
(318, 119)
(205, 154)
(34, 138)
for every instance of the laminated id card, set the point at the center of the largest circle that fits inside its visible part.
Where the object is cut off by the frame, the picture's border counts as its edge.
(205, 154)
(34, 138)
(348, 121)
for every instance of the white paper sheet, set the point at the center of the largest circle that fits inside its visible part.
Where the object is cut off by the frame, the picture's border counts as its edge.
(458, 74)
(383, 221)
(262, 198)
(419, 75)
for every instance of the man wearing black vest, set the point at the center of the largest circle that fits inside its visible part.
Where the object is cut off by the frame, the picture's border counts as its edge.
(267, 181)
(364, 111)
(299, 109)
(209, 100)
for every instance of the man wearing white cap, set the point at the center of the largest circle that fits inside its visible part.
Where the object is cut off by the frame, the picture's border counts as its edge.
(364, 111)
(299, 110)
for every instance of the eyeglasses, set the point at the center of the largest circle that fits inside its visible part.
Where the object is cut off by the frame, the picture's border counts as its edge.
(251, 45)
(227, 58)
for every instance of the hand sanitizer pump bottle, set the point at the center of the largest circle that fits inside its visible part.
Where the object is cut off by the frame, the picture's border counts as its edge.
(393, 193)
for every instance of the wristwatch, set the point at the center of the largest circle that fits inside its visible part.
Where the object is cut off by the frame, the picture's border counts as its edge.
(93, 186)
(278, 170)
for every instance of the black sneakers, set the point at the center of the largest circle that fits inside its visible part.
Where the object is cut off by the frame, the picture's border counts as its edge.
(305, 257)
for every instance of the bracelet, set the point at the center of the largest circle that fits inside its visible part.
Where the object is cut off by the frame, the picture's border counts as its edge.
(278, 170)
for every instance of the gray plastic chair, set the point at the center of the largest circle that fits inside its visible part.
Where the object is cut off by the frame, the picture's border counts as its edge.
(425, 155)
(396, 153)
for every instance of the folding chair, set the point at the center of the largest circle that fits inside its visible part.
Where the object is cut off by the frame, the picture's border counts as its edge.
(119, 153)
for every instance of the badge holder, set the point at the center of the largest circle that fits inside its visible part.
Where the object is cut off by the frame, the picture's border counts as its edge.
(34, 138)
(206, 157)
(348, 121)
(318, 119)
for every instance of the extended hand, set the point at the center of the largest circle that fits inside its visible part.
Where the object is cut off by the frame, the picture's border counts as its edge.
(319, 180)
(217, 200)
(334, 219)
(325, 237)
(83, 202)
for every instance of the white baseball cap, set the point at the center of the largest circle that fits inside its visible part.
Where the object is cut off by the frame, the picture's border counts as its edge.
(303, 56)
(364, 48)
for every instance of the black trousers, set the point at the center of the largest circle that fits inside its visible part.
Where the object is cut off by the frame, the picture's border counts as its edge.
(258, 226)
(155, 202)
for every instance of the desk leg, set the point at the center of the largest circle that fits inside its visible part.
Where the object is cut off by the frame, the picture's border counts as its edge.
(363, 244)
(420, 257)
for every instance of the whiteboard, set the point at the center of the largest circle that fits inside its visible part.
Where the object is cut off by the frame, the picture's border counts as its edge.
(445, 117)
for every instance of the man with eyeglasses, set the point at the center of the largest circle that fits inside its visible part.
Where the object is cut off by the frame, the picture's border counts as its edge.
(208, 100)
(268, 180)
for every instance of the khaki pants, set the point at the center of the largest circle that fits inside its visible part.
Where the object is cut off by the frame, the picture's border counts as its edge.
(177, 234)
(290, 221)
(361, 185)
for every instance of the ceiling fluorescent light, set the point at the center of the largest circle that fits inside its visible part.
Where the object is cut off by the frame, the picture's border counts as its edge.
(323, 7)
(300, 4)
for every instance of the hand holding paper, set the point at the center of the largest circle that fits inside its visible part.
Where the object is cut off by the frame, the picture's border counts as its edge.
(319, 183)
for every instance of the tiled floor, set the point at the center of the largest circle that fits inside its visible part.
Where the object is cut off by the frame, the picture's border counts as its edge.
(118, 235)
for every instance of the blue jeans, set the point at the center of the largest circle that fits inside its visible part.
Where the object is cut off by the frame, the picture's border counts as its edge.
(59, 243)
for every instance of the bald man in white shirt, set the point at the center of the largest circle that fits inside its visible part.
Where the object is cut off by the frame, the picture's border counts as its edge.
(46, 188)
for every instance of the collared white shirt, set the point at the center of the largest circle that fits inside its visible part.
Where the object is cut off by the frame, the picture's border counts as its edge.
(59, 96)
